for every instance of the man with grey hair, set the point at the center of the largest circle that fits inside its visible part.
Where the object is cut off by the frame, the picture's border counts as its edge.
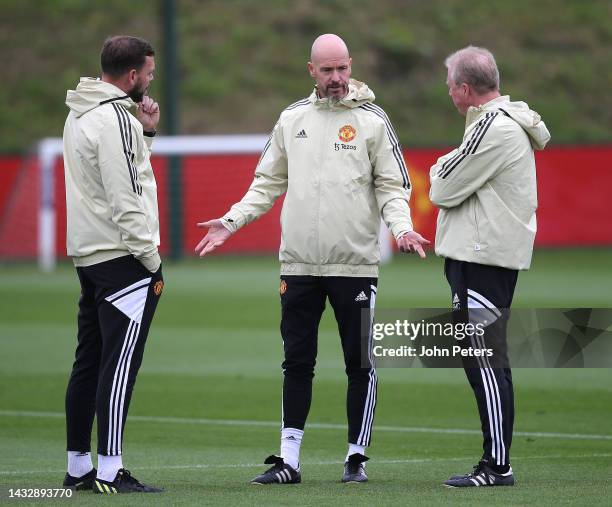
(487, 196)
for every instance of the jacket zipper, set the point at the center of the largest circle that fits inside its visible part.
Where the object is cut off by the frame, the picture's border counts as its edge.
(319, 190)
(477, 244)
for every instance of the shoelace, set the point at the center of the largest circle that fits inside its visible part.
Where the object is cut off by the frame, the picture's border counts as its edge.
(479, 467)
(354, 468)
(126, 476)
(277, 467)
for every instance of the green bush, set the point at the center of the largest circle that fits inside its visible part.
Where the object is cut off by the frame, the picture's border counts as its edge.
(242, 62)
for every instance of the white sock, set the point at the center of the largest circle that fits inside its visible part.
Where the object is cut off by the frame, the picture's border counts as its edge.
(354, 449)
(108, 466)
(79, 463)
(291, 440)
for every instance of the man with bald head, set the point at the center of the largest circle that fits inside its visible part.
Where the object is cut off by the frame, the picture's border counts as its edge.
(330, 49)
(337, 159)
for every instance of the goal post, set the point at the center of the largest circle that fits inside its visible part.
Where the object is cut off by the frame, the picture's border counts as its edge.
(49, 149)
(49, 152)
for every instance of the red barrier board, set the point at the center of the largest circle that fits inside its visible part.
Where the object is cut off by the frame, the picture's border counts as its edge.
(573, 185)
(573, 189)
(9, 169)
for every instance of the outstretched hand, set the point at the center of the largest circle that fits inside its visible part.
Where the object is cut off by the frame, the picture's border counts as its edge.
(412, 242)
(215, 237)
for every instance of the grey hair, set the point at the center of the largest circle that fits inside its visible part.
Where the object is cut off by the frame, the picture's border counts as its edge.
(474, 66)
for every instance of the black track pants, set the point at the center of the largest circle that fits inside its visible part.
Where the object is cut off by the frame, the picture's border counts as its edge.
(303, 301)
(116, 307)
(485, 292)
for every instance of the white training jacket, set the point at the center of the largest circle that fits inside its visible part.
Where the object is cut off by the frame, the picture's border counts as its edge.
(341, 166)
(486, 188)
(111, 194)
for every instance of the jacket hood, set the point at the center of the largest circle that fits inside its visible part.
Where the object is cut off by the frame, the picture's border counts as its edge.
(91, 93)
(359, 93)
(529, 120)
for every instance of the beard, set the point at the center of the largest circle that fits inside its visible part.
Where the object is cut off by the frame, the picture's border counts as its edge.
(138, 92)
(341, 91)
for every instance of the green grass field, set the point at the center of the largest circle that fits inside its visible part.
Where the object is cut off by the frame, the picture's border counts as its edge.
(206, 407)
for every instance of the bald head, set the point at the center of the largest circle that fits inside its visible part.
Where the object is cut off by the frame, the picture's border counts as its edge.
(328, 46)
(330, 66)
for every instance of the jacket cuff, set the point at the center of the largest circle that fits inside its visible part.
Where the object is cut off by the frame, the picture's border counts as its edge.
(151, 262)
(400, 229)
(148, 141)
(233, 220)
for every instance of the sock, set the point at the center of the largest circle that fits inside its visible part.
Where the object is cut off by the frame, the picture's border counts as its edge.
(108, 466)
(79, 463)
(291, 440)
(355, 449)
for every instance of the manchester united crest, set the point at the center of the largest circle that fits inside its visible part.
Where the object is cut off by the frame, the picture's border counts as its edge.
(158, 287)
(347, 133)
(283, 287)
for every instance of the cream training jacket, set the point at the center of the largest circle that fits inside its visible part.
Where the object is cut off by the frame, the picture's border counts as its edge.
(341, 166)
(111, 194)
(486, 188)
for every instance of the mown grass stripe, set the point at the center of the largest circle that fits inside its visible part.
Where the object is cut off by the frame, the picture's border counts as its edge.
(325, 426)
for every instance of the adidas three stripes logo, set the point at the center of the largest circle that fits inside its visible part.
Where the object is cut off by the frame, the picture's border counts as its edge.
(470, 147)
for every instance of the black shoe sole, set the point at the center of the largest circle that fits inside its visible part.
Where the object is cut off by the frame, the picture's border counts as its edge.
(83, 486)
(273, 483)
(485, 486)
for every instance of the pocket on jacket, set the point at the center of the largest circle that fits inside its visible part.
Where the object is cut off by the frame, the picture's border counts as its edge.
(475, 217)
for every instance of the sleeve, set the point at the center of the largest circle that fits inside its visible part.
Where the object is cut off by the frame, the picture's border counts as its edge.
(269, 183)
(148, 143)
(391, 181)
(460, 173)
(123, 192)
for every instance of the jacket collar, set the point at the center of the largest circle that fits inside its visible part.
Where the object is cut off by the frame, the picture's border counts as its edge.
(91, 93)
(359, 93)
(475, 112)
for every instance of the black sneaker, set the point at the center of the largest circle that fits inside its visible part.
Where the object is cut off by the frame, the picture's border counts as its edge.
(354, 468)
(278, 473)
(124, 483)
(482, 475)
(84, 482)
